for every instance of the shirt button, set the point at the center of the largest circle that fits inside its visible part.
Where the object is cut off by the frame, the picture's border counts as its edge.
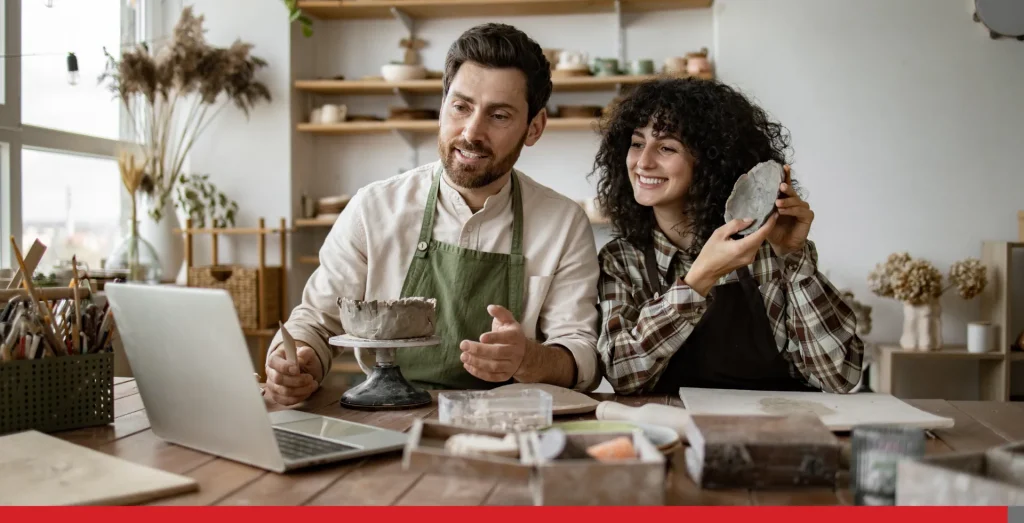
(422, 246)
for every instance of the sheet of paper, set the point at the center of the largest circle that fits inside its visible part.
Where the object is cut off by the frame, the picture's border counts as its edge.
(839, 412)
(39, 469)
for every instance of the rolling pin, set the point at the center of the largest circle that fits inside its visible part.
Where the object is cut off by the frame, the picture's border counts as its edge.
(674, 418)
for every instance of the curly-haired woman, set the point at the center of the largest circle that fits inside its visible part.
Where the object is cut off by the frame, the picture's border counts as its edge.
(685, 300)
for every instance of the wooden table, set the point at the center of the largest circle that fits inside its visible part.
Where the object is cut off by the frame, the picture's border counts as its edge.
(380, 480)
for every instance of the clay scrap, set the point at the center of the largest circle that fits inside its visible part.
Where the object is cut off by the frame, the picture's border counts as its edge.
(754, 195)
(399, 319)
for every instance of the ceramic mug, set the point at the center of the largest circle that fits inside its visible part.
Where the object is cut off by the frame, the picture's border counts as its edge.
(981, 337)
(641, 67)
(675, 64)
(572, 60)
(314, 115)
(605, 67)
(331, 113)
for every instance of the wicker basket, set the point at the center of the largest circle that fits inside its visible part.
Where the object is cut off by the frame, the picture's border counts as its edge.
(59, 393)
(243, 284)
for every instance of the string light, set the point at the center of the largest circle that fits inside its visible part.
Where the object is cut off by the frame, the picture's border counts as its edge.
(72, 69)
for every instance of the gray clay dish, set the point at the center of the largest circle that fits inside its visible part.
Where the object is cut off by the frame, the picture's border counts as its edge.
(754, 195)
(388, 319)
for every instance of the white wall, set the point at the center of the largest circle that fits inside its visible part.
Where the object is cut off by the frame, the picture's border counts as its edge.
(249, 159)
(907, 125)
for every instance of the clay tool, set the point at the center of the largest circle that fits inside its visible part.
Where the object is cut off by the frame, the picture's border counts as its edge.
(43, 311)
(290, 351)
(77, 328)
(35, 253)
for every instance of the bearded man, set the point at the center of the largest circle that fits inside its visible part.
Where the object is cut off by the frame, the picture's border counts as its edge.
(512, 264)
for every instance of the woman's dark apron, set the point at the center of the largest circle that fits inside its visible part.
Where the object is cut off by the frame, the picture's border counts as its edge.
(732, 346)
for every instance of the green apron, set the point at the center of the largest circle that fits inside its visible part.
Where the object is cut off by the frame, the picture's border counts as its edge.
(464, 282)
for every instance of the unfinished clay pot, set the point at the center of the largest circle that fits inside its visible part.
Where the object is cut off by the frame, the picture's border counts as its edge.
(754, 195)
(388, 319)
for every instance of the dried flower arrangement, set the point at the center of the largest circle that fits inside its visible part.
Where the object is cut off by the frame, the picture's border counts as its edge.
(918, 281)
(918, 285)
(173, 95)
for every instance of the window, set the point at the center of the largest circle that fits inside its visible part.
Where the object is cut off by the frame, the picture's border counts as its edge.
(47, 35)
(72, 204)
(60, 141)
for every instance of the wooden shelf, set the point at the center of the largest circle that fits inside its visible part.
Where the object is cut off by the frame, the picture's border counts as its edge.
(949, 353)
(368, 87)
(309, 260)
(364, 9)
(427, 126)
(313, 222)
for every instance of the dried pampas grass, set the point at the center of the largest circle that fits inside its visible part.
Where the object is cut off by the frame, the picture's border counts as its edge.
(174, 94)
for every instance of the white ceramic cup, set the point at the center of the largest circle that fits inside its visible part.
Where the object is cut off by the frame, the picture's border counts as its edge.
(981, 337)
(331, 113)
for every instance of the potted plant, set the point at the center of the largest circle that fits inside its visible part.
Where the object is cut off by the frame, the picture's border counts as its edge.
(171, 96)
(918, 285)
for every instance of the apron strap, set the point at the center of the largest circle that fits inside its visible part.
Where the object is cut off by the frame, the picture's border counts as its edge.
(427, 227)
(517, 217)
(517, 265)
(651, 261)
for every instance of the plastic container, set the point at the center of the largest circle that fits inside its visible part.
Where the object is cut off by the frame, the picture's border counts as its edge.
(518, 411)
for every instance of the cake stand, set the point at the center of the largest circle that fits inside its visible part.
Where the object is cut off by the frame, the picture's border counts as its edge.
(385, 388)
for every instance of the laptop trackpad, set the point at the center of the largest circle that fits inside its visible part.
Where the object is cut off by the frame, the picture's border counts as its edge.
(328, 428)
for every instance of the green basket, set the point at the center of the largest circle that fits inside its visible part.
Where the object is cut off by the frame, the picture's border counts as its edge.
(58, 393)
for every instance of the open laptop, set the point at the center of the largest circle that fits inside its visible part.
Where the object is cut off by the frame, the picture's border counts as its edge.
(192, 366)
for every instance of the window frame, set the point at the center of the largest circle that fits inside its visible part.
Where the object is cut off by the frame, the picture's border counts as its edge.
(137, 24)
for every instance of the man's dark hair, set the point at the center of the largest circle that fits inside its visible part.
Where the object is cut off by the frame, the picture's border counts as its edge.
(502, 46)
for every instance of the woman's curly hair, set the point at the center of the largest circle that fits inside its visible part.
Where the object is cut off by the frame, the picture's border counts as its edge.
(726, 134)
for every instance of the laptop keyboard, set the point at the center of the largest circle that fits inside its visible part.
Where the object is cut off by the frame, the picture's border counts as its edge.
(299, 446)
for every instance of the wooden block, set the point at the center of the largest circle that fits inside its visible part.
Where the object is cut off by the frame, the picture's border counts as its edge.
(761, 452)
(993, 478)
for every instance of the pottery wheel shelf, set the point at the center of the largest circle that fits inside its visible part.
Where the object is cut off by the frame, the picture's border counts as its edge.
(385, 387)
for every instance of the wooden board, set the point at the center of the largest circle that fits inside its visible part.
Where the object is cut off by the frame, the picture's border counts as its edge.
(563, 401)
(839, 412)
(40, 469)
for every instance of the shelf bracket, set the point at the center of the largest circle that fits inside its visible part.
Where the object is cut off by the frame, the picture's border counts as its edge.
(406, 20)
(410, 140)
(402, 95)
(620, 36)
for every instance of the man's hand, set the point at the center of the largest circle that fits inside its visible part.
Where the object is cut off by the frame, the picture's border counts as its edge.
(795, 217)
(499, 353)
(287, 383)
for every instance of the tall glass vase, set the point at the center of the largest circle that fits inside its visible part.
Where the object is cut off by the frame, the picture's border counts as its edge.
(136, 256)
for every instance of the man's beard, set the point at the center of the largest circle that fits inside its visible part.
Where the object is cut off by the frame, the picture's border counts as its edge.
(476, 177)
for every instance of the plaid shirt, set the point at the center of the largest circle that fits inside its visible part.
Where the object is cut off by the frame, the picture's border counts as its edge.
(815, 330)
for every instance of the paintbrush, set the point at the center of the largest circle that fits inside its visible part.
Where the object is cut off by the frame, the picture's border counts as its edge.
(51, 337)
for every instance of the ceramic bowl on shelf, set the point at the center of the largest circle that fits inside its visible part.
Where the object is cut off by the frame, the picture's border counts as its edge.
(402, 72)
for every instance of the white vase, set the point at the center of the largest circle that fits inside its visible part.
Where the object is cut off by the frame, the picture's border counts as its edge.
(922, 326)
(169, 245)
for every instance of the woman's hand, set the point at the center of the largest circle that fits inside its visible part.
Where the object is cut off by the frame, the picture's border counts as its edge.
(795, 217)
(721, 254)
